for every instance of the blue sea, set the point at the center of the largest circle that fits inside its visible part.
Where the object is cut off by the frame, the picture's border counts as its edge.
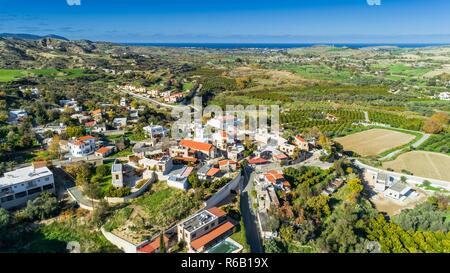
(274, 45)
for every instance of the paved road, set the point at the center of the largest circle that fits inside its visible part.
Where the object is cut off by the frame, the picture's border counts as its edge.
(250, 220)
(416, 144)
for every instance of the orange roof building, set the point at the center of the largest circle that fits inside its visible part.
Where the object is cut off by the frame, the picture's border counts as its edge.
(212, 237)
(154, 245)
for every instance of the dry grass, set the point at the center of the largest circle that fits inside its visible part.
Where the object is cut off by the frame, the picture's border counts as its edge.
(424, 164)
(375, 141)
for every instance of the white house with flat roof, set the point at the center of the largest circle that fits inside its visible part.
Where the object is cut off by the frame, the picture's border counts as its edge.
(154, 131)
(21, 185)
(117, 174)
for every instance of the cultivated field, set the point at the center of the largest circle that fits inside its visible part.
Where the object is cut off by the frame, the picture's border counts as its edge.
(424, 164)
(375, 141)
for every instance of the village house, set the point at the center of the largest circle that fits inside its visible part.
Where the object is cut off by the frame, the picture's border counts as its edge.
(82, 146)
(235, 152)
(177, 97)
(21, 185)
(123, 102)
(398, 191)
(331, 117)
(120, 123)
(201, 150)
(105, 151)
(222, 139)
(163, 165)
(153, 93)
(155, 131)
(179, 179)
(97, 115)
(204, 229)
(207, 172)
(277, 179)
(287, 148)
(117, 174)
(17, 115)
(301, 143)
(228, 165)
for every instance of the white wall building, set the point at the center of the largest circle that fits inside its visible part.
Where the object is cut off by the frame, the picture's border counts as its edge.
(154, 131)
(21, 185)
(82, 146)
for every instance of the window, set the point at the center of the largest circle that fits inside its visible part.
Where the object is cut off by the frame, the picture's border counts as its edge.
(47, 187)
(21, 194)
(7, 198)
(35, 190)
(47, 178)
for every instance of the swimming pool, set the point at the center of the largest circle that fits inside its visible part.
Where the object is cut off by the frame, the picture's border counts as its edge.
(224, 247)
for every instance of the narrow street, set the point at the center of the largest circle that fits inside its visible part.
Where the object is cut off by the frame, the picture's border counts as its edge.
(250, 220)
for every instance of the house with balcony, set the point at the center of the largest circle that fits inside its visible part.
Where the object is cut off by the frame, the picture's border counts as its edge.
(21, 185)
(82, 146)
(205, 229)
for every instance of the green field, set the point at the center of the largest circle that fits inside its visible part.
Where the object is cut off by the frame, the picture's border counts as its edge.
(7, 75)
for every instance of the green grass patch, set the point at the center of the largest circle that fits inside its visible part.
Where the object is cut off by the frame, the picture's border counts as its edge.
(7, 75)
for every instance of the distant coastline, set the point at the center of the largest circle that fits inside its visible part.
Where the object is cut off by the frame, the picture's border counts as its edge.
(283, 45)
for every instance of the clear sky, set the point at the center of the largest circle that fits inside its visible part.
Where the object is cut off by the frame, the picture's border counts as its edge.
(231, 20)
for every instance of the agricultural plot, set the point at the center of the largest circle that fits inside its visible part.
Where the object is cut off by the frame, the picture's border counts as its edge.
(424, 164)
(374, 142)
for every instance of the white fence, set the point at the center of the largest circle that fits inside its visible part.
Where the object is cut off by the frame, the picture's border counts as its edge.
(417, 180)
(121, 243)
(223, 192)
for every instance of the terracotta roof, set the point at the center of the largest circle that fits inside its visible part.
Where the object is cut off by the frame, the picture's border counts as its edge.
(90, 123)
(103, 150)
(273, 176)
(227, 162)
(212, 172)
(97, 111)
(195, 145)
(280, 156)
(299, 138)
(257, 160)
(154, 245)
(83, 138)
(213, 234)
(217, 212)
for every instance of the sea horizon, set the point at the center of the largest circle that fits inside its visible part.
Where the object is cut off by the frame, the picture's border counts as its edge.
(215, 45)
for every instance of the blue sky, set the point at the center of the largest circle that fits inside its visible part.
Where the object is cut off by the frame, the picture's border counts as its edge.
(231, 20)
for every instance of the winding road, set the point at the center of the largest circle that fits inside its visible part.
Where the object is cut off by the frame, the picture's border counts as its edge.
(416, 144)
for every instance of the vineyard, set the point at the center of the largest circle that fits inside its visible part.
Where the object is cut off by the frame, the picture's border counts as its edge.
(298, 120)
(395, 120)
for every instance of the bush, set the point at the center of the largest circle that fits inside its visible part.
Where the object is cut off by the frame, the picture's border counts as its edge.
(119, 192)
(102, 170)
(41, 208)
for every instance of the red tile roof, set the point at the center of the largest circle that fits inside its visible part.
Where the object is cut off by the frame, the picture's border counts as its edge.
(227, 162)
(97, 111)
(299, 138)
(154, 245)
(83, 138)
(103, 150)
(213, 234)
(280, 156)
(257, 160)
(195, 145)
(217, 212)
(273, 176)
(212, 172)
